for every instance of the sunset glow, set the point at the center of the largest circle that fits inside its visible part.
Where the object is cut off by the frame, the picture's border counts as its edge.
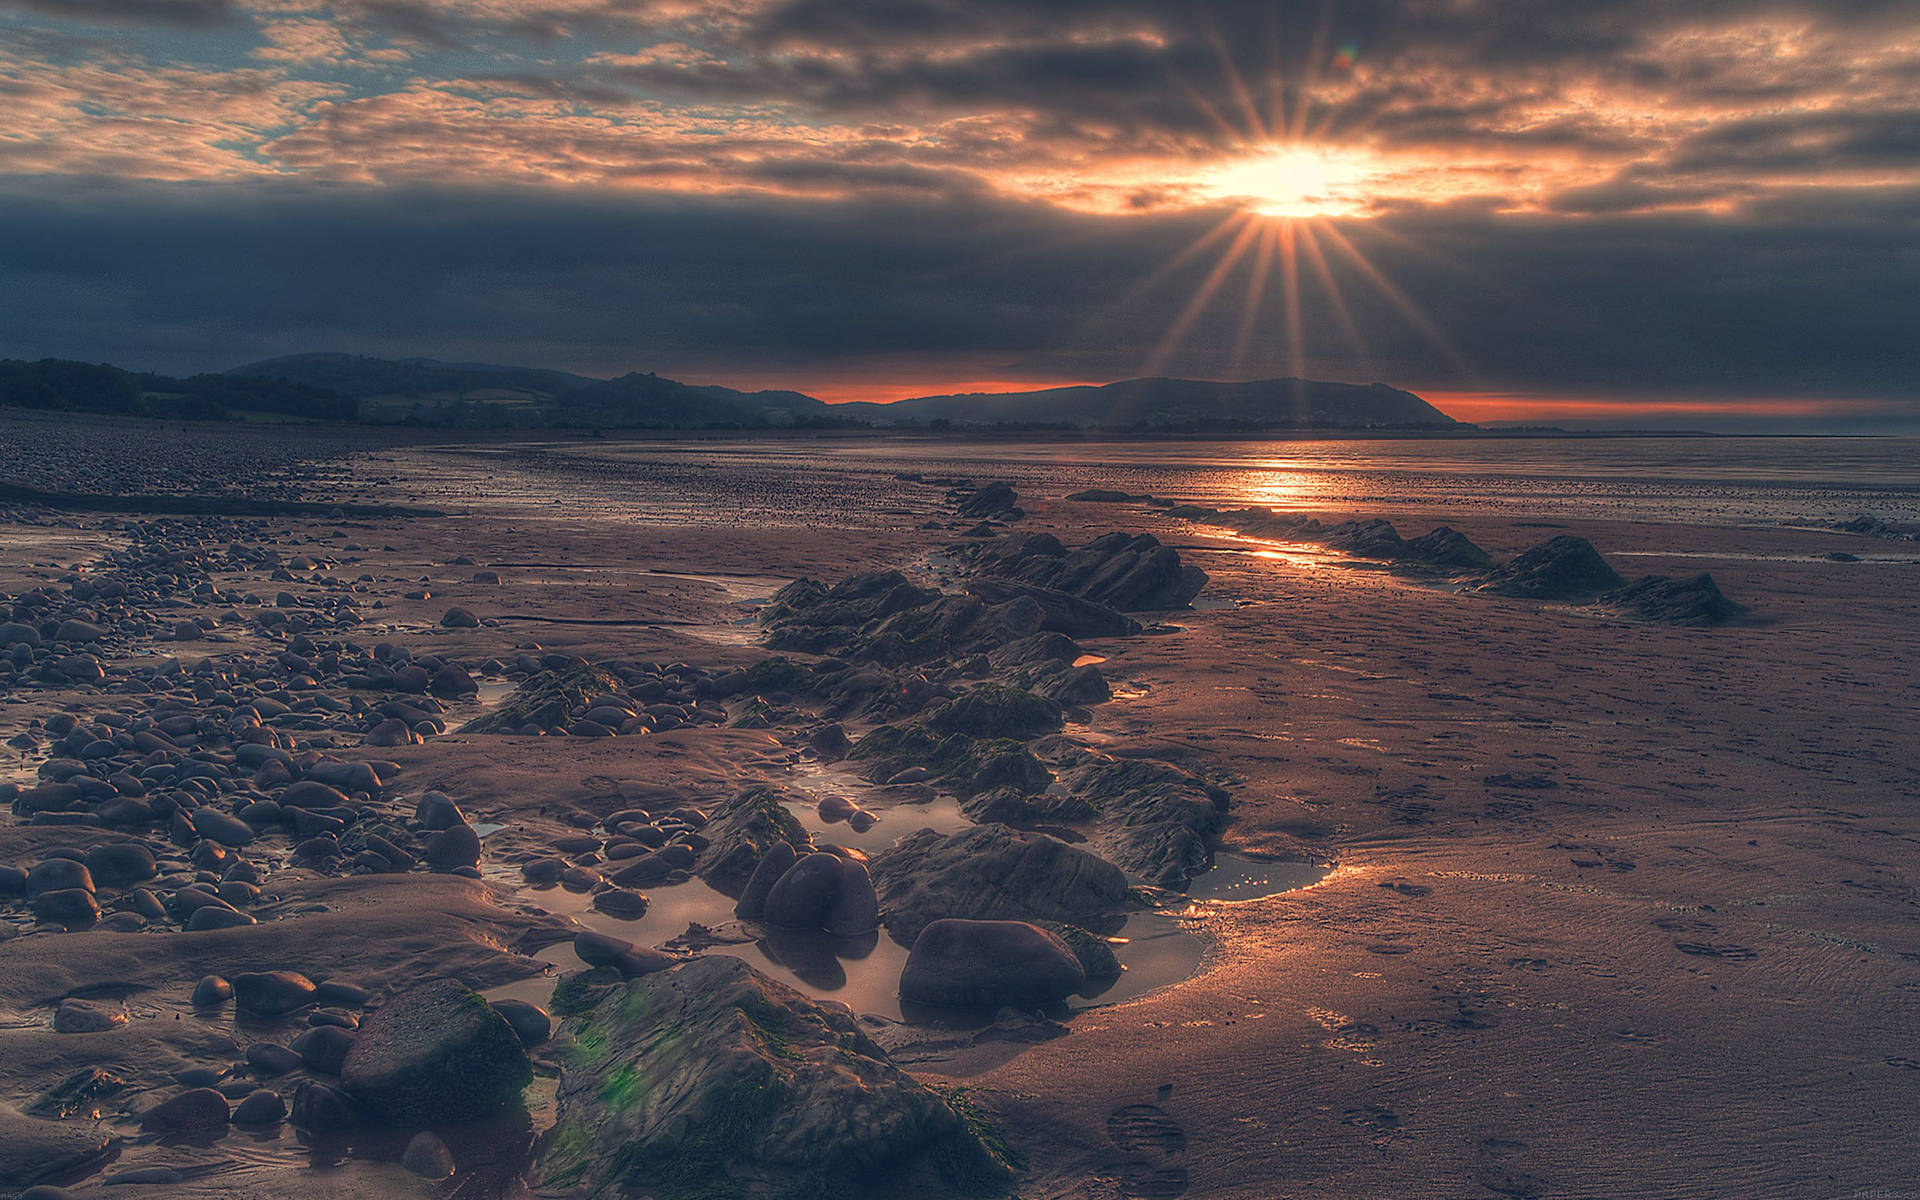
(1297, 182)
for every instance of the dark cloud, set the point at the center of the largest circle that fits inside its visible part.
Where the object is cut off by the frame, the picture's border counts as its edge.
(1815, 299)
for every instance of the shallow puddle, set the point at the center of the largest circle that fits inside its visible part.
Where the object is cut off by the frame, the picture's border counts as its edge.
(1236, 877)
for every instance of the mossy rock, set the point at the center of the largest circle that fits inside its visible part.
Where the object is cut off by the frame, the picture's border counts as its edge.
(433, 1054)
(711, 1081)
(545, 700)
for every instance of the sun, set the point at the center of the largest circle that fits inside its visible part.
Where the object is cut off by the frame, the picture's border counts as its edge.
(1297, 182)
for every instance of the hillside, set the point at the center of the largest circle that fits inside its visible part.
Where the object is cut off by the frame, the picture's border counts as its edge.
(60, 385)
(1175, 404)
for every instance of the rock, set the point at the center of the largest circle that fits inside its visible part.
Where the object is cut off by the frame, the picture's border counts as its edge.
(1693, 601)
(452, 683)
(216, 917)
(459, 618)
(437, 810)
(1161, 821)
(992, 872)
(1061, 612)
(622, 903)
(802, 895)
(856, 907)
(272, 993)
(995, 710)
(320, 1109)
(599, 950)
(1561, 568)
(198, 1112)
(87, 1016)
(713, 1072)
(221, 827)
(435, 1053)
(545, 700)
(118, 864)
(268, 1058)
(324, 1048)
(753, 898)
(957, 963)
(59, 874)
(72, 630)
(743, 829)
(531, 1023)
(427, 1156)
(263, 1106)
(210, 991)
(32, 1150)
(72, 907)
(991, 501)
(1445, 548)
(455, 846)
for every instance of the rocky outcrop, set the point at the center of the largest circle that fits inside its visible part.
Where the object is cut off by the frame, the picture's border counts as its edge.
(992, 872)
(742, 829)
(996, 710)
(1693, 601)
(1561, 568)
(965, 765)
(711, 1080)
(435, 1053)
(1125, 572)
(545, 701)
(1160, 822)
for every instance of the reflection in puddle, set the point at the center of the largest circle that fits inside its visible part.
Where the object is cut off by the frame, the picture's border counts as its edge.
(1236, 877)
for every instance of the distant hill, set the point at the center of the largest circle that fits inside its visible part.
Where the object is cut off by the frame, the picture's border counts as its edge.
(1174, 404)
(61, 385)
(361, 377)
(427, 391)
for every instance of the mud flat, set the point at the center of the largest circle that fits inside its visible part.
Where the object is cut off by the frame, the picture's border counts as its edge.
(1226, 874)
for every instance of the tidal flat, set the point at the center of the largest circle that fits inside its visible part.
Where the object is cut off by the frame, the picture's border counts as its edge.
(915, 817)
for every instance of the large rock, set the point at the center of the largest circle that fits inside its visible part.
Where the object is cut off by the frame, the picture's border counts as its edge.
(32, 1150)
(545, 700)
(713, 1080)
(434, 1054)
(987, 964)
(1061, 612)
(992, 872)
(1561, 568)
(1160, 821)
(1693, 601)
(995, 710)
(743, 829)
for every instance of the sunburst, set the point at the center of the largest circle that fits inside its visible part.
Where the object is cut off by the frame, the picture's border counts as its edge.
(1291, 185)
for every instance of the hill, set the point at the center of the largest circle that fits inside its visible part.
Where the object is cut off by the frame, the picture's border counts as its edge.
(1174, 404)
(62, 385)
(429, 392)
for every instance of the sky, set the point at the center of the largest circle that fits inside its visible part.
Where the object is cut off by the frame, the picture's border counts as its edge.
(1583, 212)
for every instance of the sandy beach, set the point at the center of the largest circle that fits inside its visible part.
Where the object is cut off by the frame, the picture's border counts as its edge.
(1602, 906)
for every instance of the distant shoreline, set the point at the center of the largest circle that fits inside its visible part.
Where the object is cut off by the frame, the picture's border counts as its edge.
(425, 435)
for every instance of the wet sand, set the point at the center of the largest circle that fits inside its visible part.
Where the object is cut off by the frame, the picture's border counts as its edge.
(1615, 908)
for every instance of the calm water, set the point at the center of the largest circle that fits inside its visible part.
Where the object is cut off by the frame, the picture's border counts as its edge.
(850, 483)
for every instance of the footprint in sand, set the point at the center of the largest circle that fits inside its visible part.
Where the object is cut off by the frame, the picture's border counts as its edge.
(1155, 1148)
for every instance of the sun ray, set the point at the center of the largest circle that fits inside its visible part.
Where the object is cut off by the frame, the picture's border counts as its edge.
(1400, 300)
(1316, 49)
(1202, 297)
(1310, 249)
(1296, 335)
(1193, 250)
(1237, 86)
(1255, 298)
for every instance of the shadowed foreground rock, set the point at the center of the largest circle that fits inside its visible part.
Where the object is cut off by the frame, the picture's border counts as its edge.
(712, 1080)
(1560, 568)
(1694, 601)
(990, 963)
(992, 872)
(433, 1054)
